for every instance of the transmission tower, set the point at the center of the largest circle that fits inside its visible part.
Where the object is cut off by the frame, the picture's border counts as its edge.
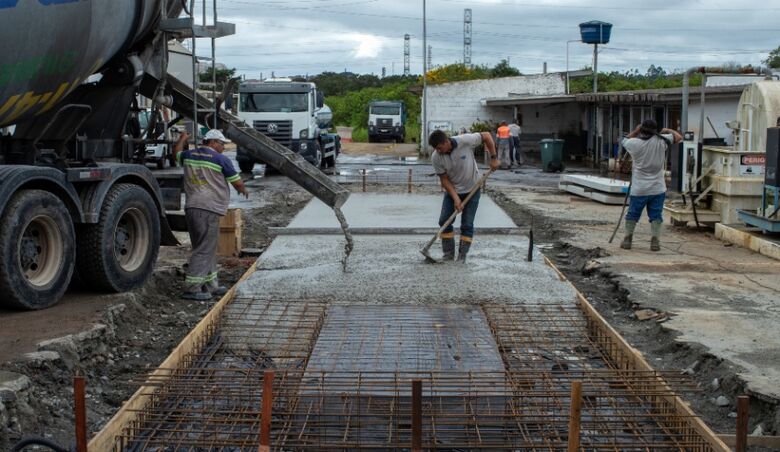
(406, 54)
(467, 37)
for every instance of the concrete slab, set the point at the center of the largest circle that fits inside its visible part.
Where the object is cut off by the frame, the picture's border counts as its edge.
(602, 184)
(366, 210)
(751, 238)
(585, 192)
(391, 270)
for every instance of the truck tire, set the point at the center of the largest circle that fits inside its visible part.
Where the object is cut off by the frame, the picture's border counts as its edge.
(246, 166)
(119, 252)
(38, 250)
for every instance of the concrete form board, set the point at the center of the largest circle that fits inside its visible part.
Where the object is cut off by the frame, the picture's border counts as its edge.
(366, 210)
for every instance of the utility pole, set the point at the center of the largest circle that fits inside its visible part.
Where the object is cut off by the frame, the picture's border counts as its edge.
(384, 71)
(430, 57)
(467, 37)
(406, 54)
(424, 140)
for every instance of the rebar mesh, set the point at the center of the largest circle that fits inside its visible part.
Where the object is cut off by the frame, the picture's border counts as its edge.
(214, 401)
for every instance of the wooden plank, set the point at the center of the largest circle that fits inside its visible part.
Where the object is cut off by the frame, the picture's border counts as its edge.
(230, 233)
(772, 442)
(637, 361)
(105, 440)
(575, 414)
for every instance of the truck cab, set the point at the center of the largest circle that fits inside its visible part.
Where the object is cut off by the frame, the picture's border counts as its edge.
(386, 121)
(292, 114)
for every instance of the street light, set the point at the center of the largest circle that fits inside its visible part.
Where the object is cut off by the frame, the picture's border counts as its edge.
(567, 62)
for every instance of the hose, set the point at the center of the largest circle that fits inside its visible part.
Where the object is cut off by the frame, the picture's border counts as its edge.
(38, 441)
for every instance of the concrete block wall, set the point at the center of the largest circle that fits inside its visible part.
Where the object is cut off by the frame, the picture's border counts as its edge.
(460, 102)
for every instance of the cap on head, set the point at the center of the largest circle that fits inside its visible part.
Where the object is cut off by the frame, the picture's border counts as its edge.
(215, 134)
(648, 127)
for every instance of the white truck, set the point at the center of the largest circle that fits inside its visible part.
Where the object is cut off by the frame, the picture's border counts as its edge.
(386, 120)
(292, 114)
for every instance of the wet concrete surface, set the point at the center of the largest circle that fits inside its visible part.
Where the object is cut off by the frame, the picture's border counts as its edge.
(390, 269)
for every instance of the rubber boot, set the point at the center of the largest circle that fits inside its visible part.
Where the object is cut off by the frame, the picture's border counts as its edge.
(463, 250)
(448, 247)
(626, 243)
(655, 240)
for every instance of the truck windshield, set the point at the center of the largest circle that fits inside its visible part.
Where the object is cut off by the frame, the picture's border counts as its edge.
(274, 102)
(383, 110)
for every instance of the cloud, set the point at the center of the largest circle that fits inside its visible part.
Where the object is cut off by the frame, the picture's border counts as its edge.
(368, 46)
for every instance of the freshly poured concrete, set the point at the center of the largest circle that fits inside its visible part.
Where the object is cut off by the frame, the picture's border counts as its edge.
(390, 269)
(406, 211)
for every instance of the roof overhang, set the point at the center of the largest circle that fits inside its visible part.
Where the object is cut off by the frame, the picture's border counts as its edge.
(513, 101)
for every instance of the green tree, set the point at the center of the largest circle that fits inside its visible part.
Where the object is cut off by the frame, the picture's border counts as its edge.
(223, 75)
(773, 59)
(503, 69)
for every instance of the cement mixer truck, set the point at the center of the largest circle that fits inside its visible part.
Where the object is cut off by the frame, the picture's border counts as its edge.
(73, 198)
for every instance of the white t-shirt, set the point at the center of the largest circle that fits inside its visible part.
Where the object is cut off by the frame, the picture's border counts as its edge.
(515, 130)
(459, 165)
(649, 156)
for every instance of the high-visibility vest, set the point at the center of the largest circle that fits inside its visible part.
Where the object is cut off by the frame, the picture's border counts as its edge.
(503, 132)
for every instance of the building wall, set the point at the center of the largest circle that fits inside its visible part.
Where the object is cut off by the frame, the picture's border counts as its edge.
(719, 111)
(460, 102)
(551, 119)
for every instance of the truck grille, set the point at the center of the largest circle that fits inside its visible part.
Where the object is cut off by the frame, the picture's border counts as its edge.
(384, 122)
(279, 131)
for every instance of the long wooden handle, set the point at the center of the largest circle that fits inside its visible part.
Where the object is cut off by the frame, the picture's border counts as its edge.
(465, 201)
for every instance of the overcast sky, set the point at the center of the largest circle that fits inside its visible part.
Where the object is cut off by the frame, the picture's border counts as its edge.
(362, 36)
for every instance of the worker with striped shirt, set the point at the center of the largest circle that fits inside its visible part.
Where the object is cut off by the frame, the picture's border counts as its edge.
(207, 173)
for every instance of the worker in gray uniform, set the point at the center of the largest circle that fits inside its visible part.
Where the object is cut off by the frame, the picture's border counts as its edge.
(207, 173)
(454, 163)
(648, 150)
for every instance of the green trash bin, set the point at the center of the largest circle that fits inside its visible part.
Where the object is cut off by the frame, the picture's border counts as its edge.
(552, 155)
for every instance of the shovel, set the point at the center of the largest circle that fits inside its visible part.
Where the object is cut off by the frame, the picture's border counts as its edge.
(427, 248)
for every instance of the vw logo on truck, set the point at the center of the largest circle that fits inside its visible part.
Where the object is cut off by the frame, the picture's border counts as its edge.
(272, 128)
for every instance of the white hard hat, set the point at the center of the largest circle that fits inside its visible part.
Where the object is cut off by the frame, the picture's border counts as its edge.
(215, 134)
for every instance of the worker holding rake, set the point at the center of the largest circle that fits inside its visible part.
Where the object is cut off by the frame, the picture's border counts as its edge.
(453, 161)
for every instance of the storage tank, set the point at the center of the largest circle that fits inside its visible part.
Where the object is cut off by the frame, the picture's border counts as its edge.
(758, 109)
(50, 47)
(324, 117)
(595, 32)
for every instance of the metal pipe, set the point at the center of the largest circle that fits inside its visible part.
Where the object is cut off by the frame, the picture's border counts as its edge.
(424, 144)
(701, 108)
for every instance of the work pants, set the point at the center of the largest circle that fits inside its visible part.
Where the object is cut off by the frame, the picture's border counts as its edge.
(653, 203)
(503, 152)
(203, 227)
(466, 217)
(517, 156)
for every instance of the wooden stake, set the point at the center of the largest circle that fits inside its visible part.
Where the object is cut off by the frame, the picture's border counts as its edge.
(574, 416)
(416, 415)
(265, 417)
(743, 416)
(410, 181)
(364, 180)
(80, 412)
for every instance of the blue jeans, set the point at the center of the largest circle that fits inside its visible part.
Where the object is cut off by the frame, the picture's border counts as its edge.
(654, 204)
(466, 217)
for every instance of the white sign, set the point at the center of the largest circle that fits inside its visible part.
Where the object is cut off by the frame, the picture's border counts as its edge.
(750, 165)
(440, 125)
